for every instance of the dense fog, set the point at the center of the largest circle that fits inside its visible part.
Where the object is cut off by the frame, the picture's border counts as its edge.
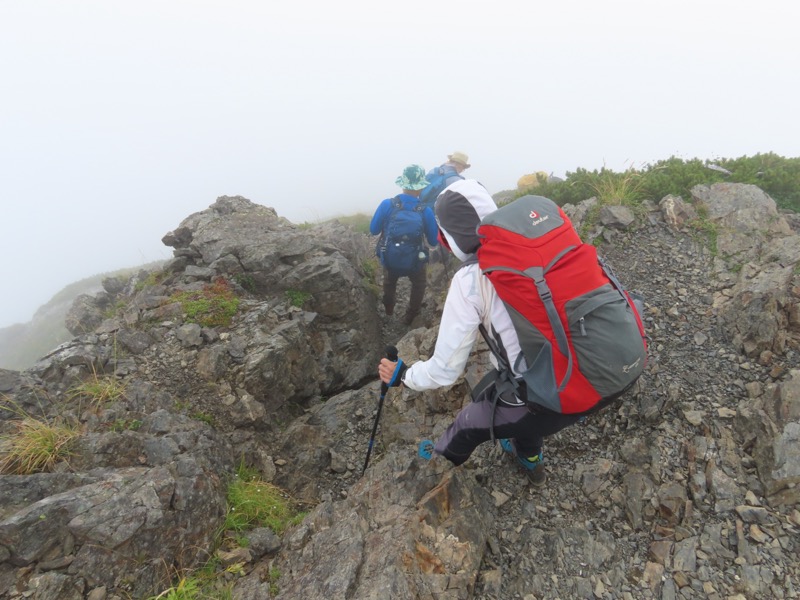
(119, 120)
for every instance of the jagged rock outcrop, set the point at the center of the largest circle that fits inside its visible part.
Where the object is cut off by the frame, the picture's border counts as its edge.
(760, 310)
(126, 516)
(276, 352)
(738, 211)
(409, 530)
(688, 489)
(159, 489)
(269, 255)
(769, 422)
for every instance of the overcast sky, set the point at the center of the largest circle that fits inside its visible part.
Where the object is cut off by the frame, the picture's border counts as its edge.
(120, 119)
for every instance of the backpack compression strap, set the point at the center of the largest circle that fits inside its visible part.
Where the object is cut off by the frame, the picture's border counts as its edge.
(609, 272)
(615, 282)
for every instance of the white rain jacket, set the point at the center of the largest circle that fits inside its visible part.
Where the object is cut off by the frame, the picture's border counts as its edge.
(471, 299)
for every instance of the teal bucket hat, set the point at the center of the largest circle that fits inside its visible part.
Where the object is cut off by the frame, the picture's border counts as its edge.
(413, 178)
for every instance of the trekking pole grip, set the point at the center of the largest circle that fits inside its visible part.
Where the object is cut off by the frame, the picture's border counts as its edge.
(391, 354)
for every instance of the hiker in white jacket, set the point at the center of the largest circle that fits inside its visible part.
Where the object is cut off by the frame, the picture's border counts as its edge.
(472, 300)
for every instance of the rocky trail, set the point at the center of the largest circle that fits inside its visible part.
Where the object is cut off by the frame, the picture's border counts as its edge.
(655, 497)
(589, 532)
(687, 488)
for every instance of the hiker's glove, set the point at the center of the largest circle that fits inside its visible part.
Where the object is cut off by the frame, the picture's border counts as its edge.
(397, 376)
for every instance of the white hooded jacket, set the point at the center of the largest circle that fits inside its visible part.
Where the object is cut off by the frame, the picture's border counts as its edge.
(471, 299)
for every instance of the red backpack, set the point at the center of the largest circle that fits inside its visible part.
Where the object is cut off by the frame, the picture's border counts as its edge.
(580, 332)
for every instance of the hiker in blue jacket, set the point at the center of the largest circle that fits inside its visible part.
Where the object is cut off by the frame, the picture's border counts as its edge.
(442, 176)
(404, 224)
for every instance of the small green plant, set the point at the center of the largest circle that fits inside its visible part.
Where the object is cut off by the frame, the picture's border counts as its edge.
(297, 298)
(153, 278)
(209, 582)
(273, 577)
(371, 267)
(204, 417)
(34, 445)
(709, 231)
(245, 280)
(213, 306)
(115, 309)
(706, 228)
(126, 425)
(589, 220)
(256, 503)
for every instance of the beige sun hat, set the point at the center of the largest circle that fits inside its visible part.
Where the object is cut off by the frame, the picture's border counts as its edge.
(460, 158)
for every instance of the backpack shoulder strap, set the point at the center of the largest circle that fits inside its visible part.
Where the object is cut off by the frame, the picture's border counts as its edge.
(546, 296)
(397, 205)
(451, 172)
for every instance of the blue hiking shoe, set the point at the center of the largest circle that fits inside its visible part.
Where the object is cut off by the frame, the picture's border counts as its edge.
(425, 449)
(533, 466)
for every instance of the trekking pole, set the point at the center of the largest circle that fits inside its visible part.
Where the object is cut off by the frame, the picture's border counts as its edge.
(391, 354)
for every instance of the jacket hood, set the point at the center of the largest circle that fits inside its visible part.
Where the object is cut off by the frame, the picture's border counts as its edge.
(459, 210)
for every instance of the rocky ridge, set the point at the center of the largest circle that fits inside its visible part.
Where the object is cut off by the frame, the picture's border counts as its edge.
(687, 490)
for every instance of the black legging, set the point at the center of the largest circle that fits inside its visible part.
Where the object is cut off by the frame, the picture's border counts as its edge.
(418, 280)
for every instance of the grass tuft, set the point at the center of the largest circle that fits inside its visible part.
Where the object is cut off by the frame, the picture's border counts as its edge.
(613, 189)
(34, 446)
(187, 588)
(100, 390)
(256, 503)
